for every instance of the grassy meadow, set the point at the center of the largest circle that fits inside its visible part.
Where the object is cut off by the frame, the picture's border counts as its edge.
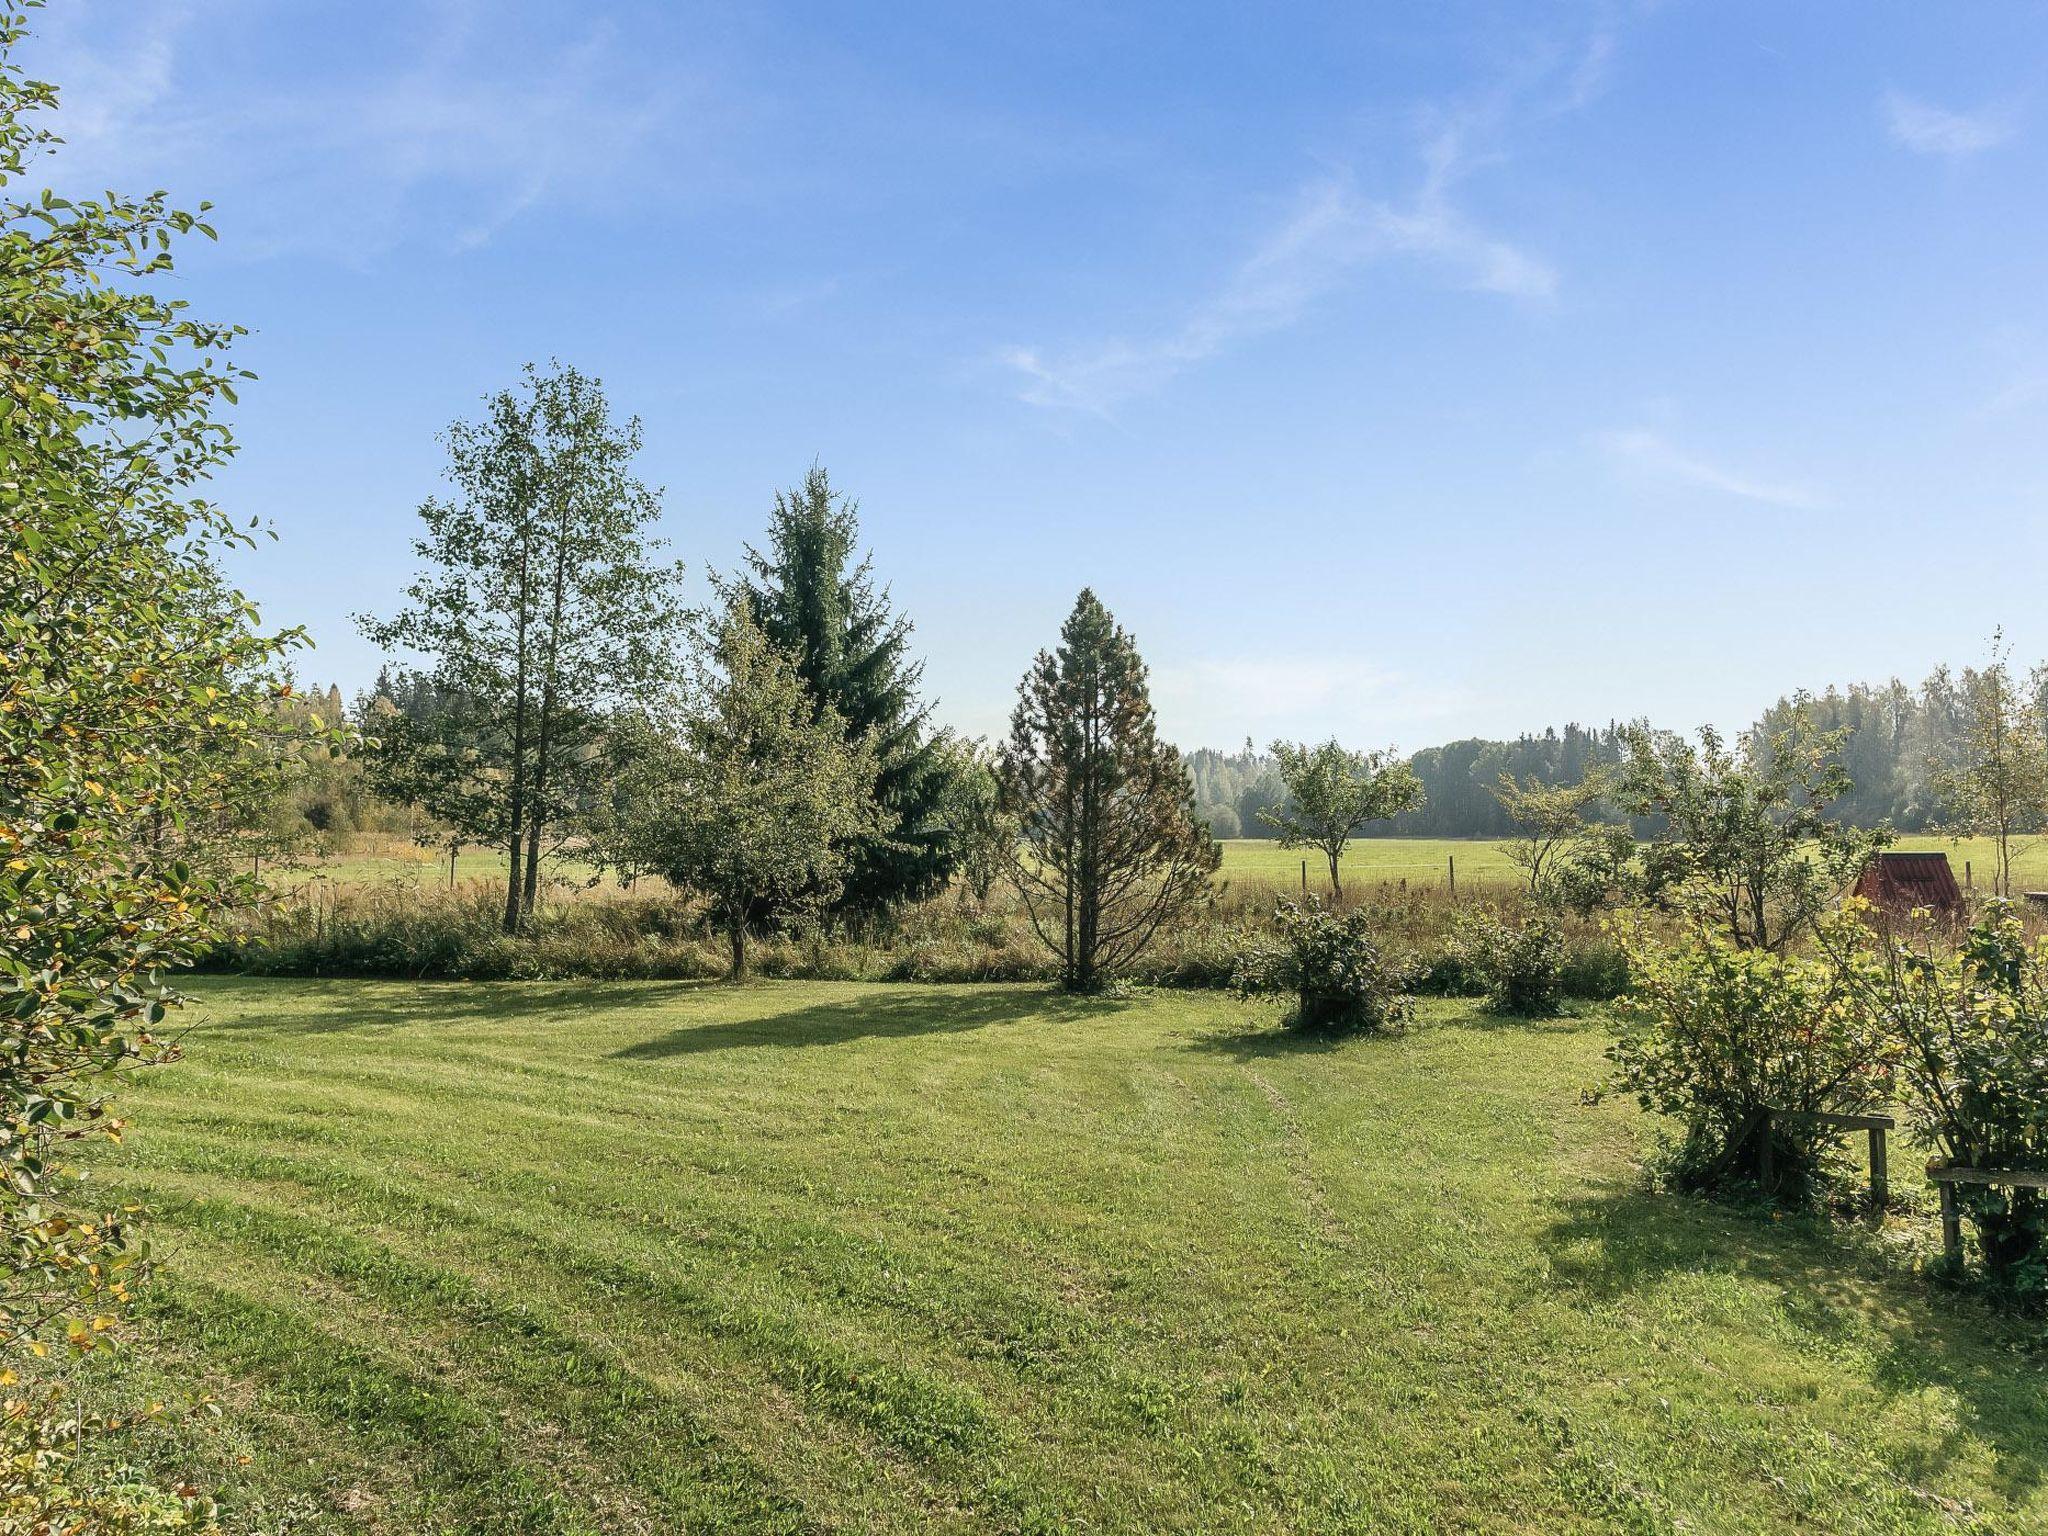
(810, 1257)
(1421, 861)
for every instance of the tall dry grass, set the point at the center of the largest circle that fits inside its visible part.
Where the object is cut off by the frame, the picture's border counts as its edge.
(396, 929)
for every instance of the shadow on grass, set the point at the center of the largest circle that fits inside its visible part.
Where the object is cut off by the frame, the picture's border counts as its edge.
(1264, 1039)
(1263, 1042)
(1835, 1293)
(886, 1013)
(329, 1006)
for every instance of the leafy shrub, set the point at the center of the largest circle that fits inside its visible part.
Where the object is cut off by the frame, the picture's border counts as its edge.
(1712, 1035)
(1593, 875)
(1344, 980)
(1448, 972)
(1973, 1031)
(45, 1488)
(1520, 966)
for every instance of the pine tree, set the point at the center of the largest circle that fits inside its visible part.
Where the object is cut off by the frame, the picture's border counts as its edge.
(1111, 847)
(819, 603)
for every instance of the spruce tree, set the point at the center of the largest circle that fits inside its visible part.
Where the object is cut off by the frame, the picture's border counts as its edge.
(819, 602)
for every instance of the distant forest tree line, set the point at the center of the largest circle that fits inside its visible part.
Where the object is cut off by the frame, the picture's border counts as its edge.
(1898, 742)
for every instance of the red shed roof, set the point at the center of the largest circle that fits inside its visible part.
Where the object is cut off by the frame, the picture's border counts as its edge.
(1907, 880)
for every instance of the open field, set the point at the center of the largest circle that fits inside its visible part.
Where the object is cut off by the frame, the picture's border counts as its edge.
(374, 860)
(1481, 862)
(1368, 861)
(831, 1257)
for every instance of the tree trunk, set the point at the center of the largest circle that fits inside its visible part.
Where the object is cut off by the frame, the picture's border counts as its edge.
(1336, 885)
(532, 896)
(514, 912)
(1089, 850)
(544, 744)
(736, 934)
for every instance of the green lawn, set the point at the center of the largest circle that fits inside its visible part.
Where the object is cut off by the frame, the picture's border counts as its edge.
(831, 1257)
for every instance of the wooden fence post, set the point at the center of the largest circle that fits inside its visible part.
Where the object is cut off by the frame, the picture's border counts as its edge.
(1880, 1174)
(1304, 877)
(1951, 1224)
(1454, 875)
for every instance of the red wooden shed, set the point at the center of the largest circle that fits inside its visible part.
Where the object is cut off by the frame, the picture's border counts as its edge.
(1899, 882)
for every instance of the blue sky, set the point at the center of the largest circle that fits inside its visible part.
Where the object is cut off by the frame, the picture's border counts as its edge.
(1402, 371)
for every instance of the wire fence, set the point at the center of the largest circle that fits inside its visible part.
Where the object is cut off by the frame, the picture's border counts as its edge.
(1311, 876)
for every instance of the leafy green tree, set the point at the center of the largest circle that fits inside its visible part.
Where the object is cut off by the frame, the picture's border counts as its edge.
(542, 609)
(1745, 843)
(982, 833)
(135, 730)
(1111, 848)
(1554, 824)
(1997, 784)
(819, 603)
(748, 793)
(1333, 793)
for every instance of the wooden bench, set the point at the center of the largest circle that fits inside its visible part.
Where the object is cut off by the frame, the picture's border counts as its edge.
(1948, 1178)
(1876, 1125)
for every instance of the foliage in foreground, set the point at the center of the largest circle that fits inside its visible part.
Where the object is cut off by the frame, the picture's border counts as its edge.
(1341, 973)
(133, 715)
(1713, 1033)
(1956, 1032)
(1971, 1026)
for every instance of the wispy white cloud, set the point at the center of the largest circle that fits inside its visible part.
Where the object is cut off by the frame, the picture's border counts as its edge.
(1652, 455)
(1331, 235)
(1931, 130)
(1334, 232)
(444, 147)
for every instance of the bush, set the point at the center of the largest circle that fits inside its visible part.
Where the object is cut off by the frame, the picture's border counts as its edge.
(1520, 966)
(1973, 1027)
(1712, 1035)
(1595, 968)
(1344, 981)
